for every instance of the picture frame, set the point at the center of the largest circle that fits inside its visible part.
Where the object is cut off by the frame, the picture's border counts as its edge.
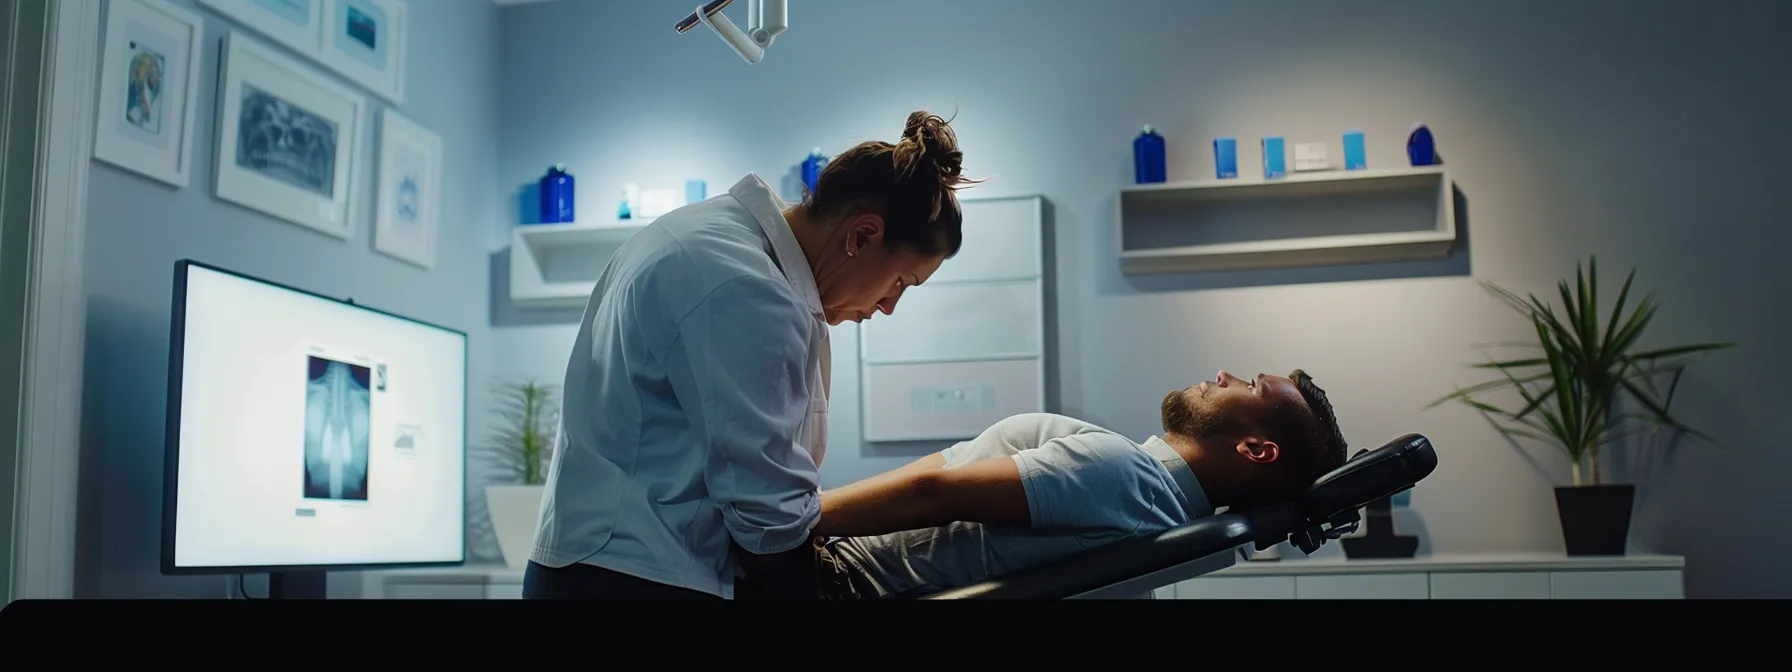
(365, 41)
(410, 191)
(149, 89)
(289, 138)
(294, 24)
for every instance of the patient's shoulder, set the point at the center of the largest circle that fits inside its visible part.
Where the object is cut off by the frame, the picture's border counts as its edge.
(1034, 429)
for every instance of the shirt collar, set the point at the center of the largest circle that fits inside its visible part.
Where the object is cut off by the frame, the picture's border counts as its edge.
(1194, 497)
(768, 210)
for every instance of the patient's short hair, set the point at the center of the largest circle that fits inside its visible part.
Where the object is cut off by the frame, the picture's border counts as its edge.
(1309, 436)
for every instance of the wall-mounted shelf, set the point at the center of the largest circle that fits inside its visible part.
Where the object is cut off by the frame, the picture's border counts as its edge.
(1305, 219)
(556, 265)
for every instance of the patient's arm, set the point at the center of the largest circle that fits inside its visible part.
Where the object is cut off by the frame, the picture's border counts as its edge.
(914, 497)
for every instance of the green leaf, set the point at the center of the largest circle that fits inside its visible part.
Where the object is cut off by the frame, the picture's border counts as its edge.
(1589, 361)
(1682, 350)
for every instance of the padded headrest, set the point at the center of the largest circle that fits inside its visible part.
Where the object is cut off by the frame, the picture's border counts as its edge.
(1371, 475)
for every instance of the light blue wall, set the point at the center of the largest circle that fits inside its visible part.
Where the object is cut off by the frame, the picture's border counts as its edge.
(137, 228)
(1646, 135)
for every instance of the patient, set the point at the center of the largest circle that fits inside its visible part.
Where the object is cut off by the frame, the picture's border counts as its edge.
(1036, 488)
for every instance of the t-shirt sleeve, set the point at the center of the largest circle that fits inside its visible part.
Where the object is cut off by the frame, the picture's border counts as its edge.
(1096, 482)
(1016, 433)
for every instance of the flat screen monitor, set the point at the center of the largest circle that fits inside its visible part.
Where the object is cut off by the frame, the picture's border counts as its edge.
(308, 434)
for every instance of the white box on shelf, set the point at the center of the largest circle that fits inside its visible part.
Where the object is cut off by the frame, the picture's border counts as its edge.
(1310, 156)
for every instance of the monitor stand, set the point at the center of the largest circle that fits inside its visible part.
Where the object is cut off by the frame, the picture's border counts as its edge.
(298, 585)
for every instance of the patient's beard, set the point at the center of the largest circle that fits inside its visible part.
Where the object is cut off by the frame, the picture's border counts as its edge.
(1186, 417)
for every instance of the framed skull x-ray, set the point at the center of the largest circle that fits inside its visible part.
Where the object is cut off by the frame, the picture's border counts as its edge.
(288, 138)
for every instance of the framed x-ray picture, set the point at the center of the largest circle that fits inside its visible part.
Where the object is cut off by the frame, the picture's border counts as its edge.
(288, 138)
(410, 190)
(149, 89)
(294, 24)
(365, 41)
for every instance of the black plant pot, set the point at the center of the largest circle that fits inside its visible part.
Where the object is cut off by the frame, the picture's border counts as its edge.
(1595, 518)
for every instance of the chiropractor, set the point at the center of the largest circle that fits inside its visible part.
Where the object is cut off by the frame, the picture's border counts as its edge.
(696, 397)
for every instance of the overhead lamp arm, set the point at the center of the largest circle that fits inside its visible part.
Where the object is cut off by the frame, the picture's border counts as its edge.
(766, 20)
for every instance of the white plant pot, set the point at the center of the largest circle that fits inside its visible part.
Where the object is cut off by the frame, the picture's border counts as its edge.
(515, 510)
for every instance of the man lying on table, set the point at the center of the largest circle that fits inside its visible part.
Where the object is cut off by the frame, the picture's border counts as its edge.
(1036, 488)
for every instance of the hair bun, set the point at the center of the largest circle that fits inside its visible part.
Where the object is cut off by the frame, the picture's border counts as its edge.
(930, 137)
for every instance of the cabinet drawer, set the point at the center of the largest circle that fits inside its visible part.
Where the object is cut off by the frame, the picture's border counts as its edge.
(435, 591)
(1363, 587)
(1491, 586)
(1660, 584)
(1237, 588)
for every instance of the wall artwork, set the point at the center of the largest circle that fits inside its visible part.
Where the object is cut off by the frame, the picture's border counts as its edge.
(364, 41)
(288, 138)
(294, 24)
(410, 196)
(149, 89)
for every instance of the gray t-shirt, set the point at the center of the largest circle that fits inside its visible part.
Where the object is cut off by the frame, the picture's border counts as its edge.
(1086, 486)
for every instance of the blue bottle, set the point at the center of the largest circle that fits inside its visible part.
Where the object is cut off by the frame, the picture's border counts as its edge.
(556, 196)
(1148, 157)
(1421, 149)
(812, 168)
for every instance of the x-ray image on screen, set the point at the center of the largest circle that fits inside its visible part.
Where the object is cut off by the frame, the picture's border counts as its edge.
(337, 406)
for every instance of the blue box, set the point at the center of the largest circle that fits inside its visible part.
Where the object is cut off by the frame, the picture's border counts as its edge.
(1275, 158)
(1225, 157)
(1353, 151)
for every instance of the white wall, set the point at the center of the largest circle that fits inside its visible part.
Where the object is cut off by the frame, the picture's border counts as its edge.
(138, 228)
(1647, 135)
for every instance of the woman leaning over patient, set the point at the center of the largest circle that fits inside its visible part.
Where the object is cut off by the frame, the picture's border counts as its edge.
(696, 397)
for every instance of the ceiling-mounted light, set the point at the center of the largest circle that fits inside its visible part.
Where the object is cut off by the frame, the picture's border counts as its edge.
(766, 19)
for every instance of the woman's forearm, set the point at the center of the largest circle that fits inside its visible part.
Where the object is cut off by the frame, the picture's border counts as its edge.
(889, 502)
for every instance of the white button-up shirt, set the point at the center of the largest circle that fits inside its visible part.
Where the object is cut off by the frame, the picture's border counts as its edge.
(695, 401)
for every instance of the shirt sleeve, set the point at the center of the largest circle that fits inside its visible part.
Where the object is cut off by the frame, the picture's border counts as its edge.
(1016, 433)
(745, 387)
(1096, 482)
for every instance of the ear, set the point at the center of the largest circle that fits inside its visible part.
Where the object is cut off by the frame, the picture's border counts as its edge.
(863, 231)
(1258, 450)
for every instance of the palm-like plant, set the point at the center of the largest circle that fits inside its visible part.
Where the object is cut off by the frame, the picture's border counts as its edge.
(1574, 401)
(523, 444)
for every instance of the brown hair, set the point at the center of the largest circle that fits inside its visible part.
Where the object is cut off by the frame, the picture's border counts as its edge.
(1312, 433)
(911, 184)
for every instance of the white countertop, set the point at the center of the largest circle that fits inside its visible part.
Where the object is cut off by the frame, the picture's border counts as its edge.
(1452, 562)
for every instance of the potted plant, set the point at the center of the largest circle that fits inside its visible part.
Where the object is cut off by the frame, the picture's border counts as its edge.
(1578, 396)
(520, 452)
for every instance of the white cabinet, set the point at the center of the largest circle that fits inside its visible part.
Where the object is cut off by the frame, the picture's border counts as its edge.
(1490, 586)
(968, 347)
(1606, 585)
(1363, 587)
(1457, 577)
(470, 582)
(1237, 588)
